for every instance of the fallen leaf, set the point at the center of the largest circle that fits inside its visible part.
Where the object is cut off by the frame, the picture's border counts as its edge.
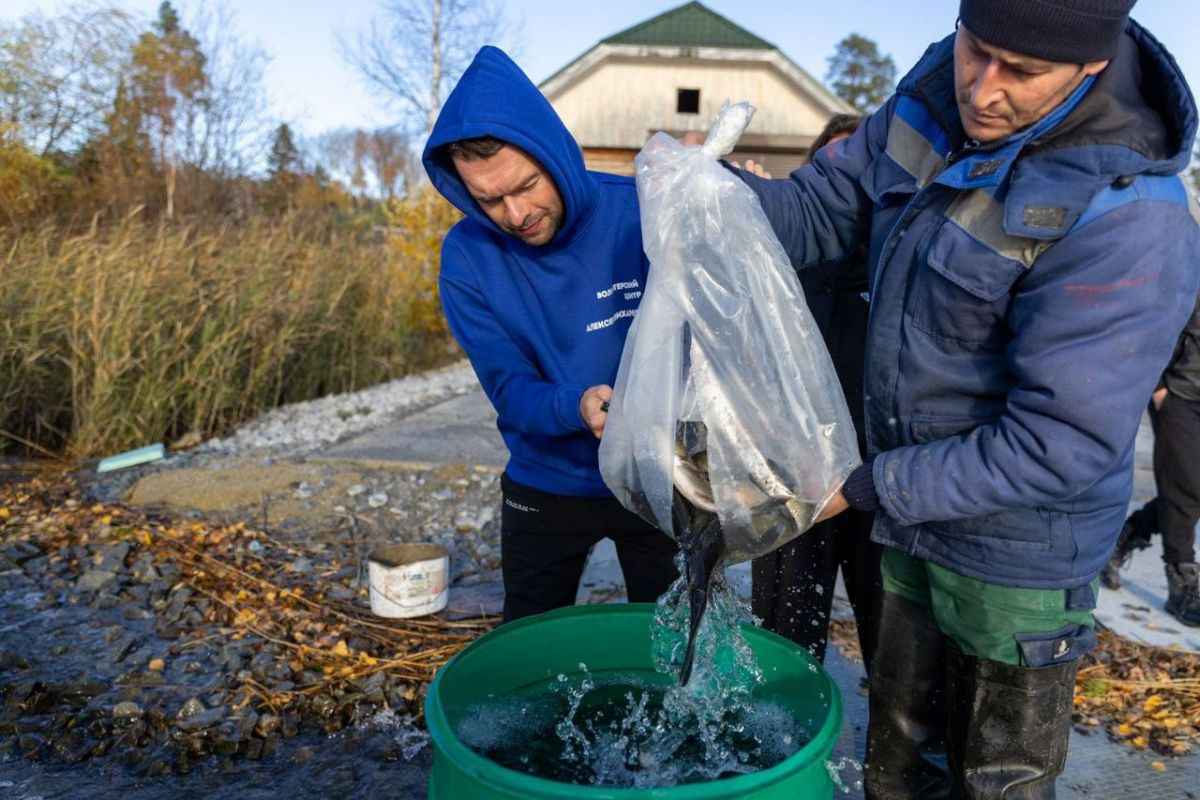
(1158, 765)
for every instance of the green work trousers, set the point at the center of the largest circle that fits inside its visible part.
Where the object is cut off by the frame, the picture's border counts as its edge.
(1012, 625)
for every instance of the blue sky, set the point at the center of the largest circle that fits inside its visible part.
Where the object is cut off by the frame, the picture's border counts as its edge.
(311, 88)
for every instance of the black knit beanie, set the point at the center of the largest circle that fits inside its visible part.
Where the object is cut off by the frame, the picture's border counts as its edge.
(1066, 31)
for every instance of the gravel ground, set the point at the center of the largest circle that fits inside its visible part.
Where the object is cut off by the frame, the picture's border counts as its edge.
(269, 473)
(270, 476)
(306, 428)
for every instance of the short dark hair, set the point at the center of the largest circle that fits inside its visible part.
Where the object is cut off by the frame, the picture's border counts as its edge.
(471, 149)
(838, 125)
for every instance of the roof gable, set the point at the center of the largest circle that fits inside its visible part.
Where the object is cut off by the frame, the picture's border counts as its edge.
(689, 25)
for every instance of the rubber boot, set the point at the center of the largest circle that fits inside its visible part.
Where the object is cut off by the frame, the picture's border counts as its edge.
(1009, 727)
(1183, 593)
(906, 737)
(1128, 542)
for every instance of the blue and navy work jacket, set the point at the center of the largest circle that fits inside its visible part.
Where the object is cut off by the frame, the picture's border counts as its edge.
(1025, 297)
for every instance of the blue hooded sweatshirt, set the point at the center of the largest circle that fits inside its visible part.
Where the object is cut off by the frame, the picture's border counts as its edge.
(540, 324)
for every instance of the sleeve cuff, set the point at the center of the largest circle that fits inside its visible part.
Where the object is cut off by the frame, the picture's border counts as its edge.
(859, 488)
(567, 406)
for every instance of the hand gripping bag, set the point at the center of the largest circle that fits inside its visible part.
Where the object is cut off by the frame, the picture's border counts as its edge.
(725, 392)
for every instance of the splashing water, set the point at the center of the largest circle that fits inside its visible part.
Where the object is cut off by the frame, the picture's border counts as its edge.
(846, 775)
(640, 729)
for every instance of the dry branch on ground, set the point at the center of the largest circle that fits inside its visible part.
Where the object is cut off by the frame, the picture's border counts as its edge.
(325, 639)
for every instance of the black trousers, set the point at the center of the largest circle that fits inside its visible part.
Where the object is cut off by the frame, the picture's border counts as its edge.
(793, 586)
(1176, 510)
(545, 540)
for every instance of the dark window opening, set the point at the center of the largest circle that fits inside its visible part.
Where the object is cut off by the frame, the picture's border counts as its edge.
(687, 101)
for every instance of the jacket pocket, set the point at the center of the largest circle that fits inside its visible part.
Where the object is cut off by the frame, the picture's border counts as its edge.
(1060, 646)
(924, 428)
(1021, 528)
(961, 290)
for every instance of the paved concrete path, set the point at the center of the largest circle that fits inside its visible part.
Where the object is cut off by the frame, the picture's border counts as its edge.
(462, 429)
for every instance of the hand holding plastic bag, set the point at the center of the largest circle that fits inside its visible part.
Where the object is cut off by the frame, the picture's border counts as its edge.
(725, 391)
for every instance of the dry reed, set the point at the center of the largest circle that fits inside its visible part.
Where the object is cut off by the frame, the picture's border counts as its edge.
(117, 336)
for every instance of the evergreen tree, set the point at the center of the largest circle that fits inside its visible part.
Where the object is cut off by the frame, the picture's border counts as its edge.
(284, 167)
(859, 74)
(284, 157)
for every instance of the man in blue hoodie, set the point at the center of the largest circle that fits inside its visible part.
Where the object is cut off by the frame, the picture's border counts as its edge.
(540, 284)
(1033, 257)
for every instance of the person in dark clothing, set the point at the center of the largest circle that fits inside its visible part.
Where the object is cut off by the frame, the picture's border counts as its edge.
(792, 587)
(1175, 415)
(540, 283)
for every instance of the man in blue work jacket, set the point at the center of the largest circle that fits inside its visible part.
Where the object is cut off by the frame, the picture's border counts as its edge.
(1033, 257)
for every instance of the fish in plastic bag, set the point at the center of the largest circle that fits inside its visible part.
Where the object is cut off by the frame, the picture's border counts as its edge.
(727, 428)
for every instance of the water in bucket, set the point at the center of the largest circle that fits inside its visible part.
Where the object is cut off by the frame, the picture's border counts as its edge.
(633, 729)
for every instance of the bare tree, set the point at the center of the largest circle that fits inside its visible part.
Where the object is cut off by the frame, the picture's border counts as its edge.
(340, 152)
(231, 129)
(417, 50)
(387, 153)
(367, 162)
(58, 76)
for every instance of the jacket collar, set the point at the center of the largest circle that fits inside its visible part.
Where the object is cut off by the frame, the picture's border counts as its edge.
(1137, 117)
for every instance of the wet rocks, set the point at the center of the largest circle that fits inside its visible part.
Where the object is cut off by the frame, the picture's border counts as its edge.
(19, 552)
(190, 709)
(267, 725)
(125, 713)
(121, 644)
(159, 682)
(201, 720)
(96, 580)
(12, 661)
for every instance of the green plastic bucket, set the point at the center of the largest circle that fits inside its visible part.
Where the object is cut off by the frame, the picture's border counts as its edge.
(534, 650)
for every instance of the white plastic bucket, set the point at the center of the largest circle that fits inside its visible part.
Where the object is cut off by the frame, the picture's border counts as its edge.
(408, 580)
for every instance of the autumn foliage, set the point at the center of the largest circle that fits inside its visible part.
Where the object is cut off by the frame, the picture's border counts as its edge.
(171, 261)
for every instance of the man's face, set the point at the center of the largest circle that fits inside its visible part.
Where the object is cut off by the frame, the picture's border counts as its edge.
(516, 192)
(999, 92)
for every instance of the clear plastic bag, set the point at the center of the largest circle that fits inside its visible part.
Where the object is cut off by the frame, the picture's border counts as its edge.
(725, 392)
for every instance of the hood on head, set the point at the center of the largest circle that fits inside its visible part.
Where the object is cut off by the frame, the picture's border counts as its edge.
(495, 98)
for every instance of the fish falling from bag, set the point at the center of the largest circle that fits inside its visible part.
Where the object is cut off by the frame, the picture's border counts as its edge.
(697, 529)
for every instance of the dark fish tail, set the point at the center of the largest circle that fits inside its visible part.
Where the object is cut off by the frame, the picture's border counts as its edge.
(702, 544)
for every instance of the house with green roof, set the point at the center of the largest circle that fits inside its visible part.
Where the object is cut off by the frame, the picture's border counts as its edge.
(672, 73)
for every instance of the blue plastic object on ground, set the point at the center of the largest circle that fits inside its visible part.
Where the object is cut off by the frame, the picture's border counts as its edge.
(132, 458)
